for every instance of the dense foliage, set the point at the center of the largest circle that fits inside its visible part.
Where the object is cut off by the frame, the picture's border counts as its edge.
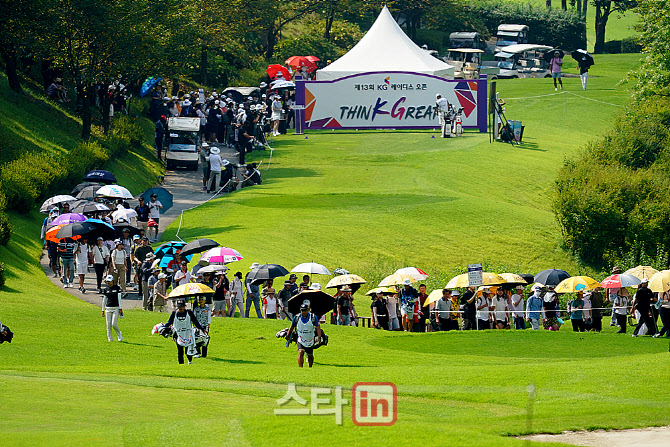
(653, 77)
(614, 195)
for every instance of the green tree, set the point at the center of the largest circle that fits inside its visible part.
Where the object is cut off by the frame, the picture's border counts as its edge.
(604, 8)
(18, 27)
(653, 76)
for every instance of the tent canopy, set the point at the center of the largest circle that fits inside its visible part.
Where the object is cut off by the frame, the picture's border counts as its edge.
(385, 47)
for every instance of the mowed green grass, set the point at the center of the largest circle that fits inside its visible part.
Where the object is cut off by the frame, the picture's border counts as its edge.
(372, 202)
(66, 385)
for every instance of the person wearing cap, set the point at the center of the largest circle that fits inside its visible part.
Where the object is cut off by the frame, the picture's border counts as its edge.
(100, 261)
(482, 304)
(620, 306)
(408, 304)
(112, 308)
(127, 248)
(343, 304)
(253, 293)
(555, 64)
(499, 308)
(442, 310)
(186, 107)
(535, 309)
(157, 286)
(142, 210)
(182, 276)
(119, 265)
(145, 272)
(183, 320)
(516, 306)
(379, 311)
(309, 334)
(282, 299)
(66, 252)
(276, 114)
(642, 302)
(215, 165)
(550, 322)
(269, 304)
(236, 295)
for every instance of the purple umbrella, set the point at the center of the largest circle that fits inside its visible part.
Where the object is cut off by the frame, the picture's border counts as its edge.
(68, 218)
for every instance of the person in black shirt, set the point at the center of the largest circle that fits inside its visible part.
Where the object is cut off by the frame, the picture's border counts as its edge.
(142, 211)
(642, 303)
(380, 312)
(467, 306)
(112, 307)
(343, 304)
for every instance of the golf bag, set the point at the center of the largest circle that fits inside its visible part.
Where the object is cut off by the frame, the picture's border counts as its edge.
(294, 338)
(452, 121)
(5, 338)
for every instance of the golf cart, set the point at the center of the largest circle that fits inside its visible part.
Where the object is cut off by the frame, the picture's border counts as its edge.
(511, 35)
(183, 142)
(523, 61)
(467, 40)
(467, 63)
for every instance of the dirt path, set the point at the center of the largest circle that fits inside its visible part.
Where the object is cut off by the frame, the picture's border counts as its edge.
(644, 437)
(186, 188)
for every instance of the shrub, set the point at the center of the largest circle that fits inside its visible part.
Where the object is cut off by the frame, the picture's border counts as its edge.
(5, 229)
(614, 193)
(631, 45)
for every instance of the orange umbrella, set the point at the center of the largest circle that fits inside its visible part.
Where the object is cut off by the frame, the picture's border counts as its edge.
(51, 234)
(296, 62)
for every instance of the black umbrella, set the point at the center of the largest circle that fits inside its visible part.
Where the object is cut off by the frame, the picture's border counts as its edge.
(528, 277)
(102, 229)
(170, 248)
(119, 227)
(88, 192)
(101, 176)
(266, 271)
(583, 57)
(90, 207)
(550, 54)
(198, 246)
(551, 277)
(83, 185)
(320, 302)
(75, 229)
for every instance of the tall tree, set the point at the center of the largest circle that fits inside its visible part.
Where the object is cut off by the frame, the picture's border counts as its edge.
(19, 22)
(653, 76)
(604, 8)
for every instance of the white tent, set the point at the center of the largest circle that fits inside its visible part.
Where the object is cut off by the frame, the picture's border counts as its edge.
(385, 47)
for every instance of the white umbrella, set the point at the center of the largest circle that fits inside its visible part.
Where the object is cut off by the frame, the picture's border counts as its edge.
(114, 191)
(55, 201)
(213, 268)
(123, 214)
(282, 83)
(414, 272)
(312, 268)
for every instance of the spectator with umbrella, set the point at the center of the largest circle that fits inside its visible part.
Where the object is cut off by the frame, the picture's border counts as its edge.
(585, 61)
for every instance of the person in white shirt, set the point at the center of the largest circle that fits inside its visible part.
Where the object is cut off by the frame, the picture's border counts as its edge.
(183, 276)
(516, 306)
(155, 207)
(620, 305)
(276, 114)
(119, 265)
(236, 295)
(100, 260)
(499, 308)
(482, 305)
(215, 165)
(81, 256)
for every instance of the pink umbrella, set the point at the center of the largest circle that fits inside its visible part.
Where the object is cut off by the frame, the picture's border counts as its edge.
(221, 255)
(619, 281)
(68, 218)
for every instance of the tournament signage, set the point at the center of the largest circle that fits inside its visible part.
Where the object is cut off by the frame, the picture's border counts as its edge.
(388, 100)
(475, 275)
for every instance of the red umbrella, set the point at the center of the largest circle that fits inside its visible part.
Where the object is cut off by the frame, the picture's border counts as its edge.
(312, 58)
(618, 281)
(274, 69)
(296, 62)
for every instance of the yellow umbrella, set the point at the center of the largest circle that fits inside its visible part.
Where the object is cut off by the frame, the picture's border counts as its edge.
(385, 290)
(396, 279)
(577, 284)
(493, 290)
(489, 279)
(190, 289)
(642, 271)
(343, 280)
(513, 278)
(433, 296)
(660, 282)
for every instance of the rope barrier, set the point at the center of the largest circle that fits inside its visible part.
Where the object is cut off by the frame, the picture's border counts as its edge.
(564, 93)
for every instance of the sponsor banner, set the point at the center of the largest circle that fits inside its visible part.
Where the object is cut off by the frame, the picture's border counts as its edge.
(389, 100)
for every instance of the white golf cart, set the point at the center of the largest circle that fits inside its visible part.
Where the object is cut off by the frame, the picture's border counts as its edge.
(523, 61)
(467, 63)
(183, 142)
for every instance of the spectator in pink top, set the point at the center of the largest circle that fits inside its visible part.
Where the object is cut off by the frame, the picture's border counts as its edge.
(556, 63)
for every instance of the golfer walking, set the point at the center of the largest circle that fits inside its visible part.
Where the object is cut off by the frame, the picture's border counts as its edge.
(111, 307)
(309, 334)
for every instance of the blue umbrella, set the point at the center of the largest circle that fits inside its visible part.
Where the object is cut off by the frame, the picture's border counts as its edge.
(165, 260)
(98, 175)
(163, 196)
(169, 248)
(149, 83)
